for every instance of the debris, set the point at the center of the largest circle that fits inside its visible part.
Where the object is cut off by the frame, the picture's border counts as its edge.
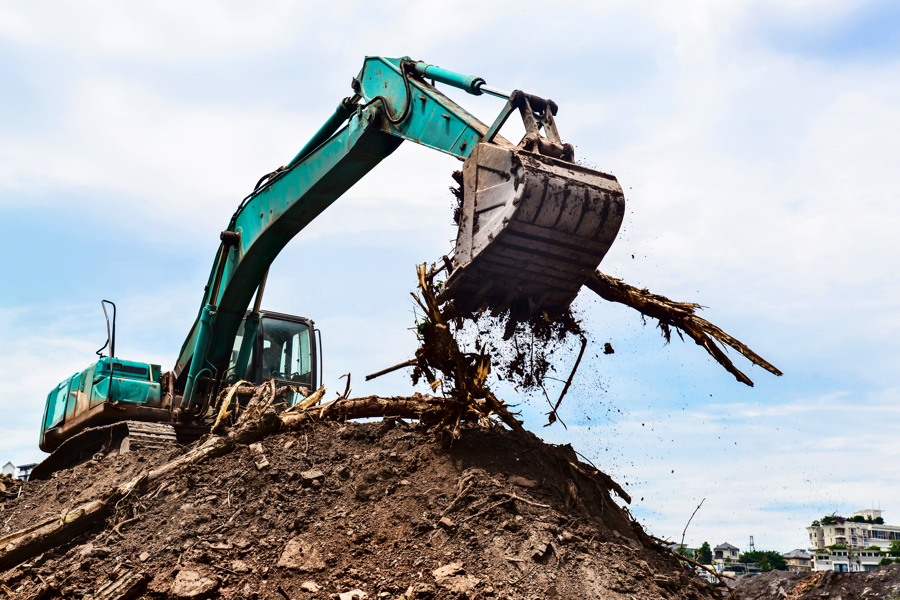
(194, 584)
(240, 567)
(447, 570)
(522, 482)
(353, 595)
(301, 555)
(311, 476)
(309, 586)
(125, 587)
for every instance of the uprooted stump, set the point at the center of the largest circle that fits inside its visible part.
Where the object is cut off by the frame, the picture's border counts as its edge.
(279, 505)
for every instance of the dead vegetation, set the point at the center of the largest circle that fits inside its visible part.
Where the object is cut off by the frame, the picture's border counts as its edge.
(682, 317)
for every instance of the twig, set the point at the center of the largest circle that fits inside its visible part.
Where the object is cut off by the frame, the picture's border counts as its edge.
(521, 499)
(410, 363)
(346, 393)
(553, 417)
(234, 483)
(224, 569)
(565, 389)
(689, 521)
(720, 577)
(284, 593)
(488, 509)
(228, 522)
(523, 576)
(131, 520)
(456, 500)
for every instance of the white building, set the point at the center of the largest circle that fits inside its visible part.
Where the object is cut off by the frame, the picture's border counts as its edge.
(850, 545)
(9, 469)
(725, 552)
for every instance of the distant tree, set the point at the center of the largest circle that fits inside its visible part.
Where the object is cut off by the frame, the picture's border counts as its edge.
(768, 560)
(857, 519)
(704, 554)
(894, 548)
(869, 519)
(829, 519)
(687, 552)
(885, 561)
(878, 521)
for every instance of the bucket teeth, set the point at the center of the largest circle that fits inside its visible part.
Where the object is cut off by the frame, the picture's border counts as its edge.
(532, 230)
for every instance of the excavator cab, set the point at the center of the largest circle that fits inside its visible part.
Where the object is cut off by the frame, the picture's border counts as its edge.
(284, 348)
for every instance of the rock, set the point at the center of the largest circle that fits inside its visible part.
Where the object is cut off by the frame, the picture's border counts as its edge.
(447, 571)
(447, 523)
(288, 444)
(539, 551)
(461, 584)
(310, 586)
(144, 556)
(194, 584)
(522, 482)
(420, 590)
(311, 476)
(353, 595)
(257, 447)
(239, 566)
(299, 554)
(262, 463)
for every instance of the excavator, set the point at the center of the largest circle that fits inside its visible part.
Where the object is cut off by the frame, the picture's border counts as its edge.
(533, 227)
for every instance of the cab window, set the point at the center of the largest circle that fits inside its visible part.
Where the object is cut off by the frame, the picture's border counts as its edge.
(286, 351)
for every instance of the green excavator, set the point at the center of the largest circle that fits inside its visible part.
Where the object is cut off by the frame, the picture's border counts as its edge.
(533, 227)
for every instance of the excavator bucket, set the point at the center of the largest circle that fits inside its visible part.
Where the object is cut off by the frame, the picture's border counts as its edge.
(532, 230)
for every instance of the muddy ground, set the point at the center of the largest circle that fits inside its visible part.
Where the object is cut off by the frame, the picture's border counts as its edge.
(882, 583)
(374, 510)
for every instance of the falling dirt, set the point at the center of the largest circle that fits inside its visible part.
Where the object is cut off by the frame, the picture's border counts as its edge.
(382, 507)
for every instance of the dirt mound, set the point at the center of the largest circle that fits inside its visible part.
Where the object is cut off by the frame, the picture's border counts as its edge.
(384, 508)
(883, 582)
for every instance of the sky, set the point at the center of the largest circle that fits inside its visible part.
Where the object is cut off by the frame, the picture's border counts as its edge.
(757, 143)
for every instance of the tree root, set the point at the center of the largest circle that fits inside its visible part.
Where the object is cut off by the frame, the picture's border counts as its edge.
(680, 315)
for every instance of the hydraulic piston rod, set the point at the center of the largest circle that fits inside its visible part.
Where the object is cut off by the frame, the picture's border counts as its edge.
(470, 83)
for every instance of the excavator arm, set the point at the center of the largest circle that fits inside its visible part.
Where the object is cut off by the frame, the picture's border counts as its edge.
(534, 224)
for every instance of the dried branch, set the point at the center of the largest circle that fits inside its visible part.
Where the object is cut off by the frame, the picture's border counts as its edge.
(680, 315)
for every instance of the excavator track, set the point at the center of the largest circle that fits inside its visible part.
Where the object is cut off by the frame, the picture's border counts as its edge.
(126, 436)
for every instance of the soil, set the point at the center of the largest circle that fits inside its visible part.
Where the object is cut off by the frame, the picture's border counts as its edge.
(355, 510)
(882, 583)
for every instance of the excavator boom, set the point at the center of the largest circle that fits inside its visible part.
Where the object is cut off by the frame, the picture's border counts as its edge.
(534, 224)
